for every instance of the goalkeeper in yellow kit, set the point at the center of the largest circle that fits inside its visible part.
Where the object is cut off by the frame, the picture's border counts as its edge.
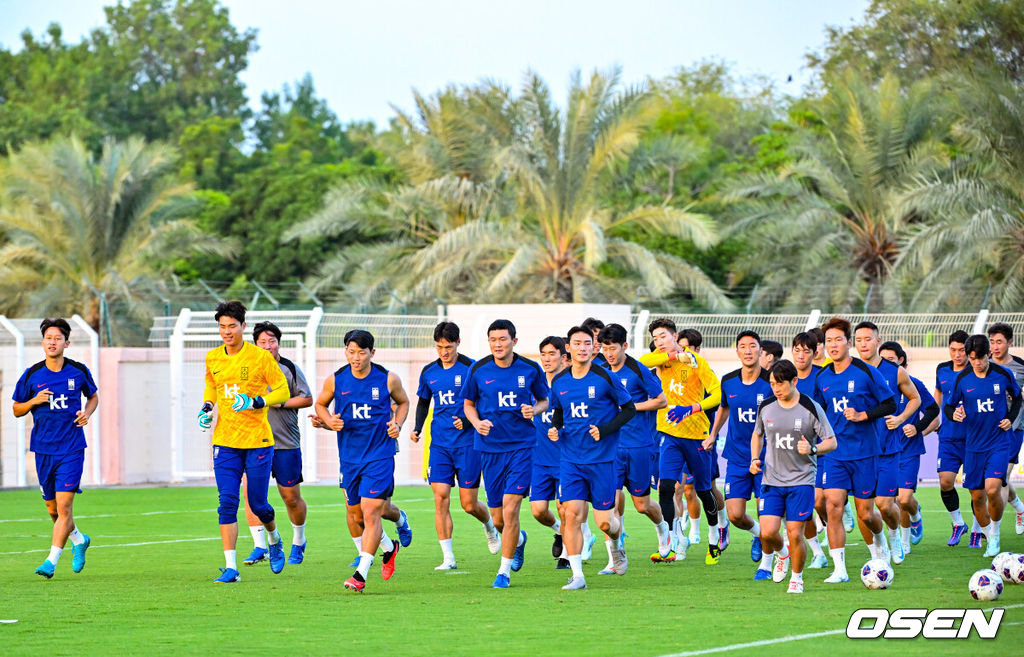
(691, 388)
(242, 380)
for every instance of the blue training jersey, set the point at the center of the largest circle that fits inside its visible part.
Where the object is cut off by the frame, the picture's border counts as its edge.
(365, 406)
(914, 446)
(805, 386)
(53, 424)
(593, 399)
(499, 393)
(641, 384)
(945, 380)
(742, 401)
(890, 440)
(986, 405)
(860, 387)
(546, 451)
(444, 386)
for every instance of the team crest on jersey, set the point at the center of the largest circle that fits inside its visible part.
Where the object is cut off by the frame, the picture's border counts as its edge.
(458, 380)
(522, 382)
(849, 386)
(995, 388)
(760, 398)
(623, 382)
(71, 385)
(375, 393)
(591, 393)
(797, 424)
(245, 374)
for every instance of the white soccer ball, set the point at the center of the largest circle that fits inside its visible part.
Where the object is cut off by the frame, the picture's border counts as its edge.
(877, 574)
(985, 585)
(998, 561)
(1013, 569)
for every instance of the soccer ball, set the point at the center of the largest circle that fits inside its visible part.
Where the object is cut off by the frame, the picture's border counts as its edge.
(1013, 569)
(985, 585)
(998, 561)
(877, 574)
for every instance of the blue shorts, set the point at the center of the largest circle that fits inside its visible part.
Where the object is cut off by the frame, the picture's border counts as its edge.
(681, 456)
(633, 469)
(794, 503)
(740, 484)
(655, 466)
(506, 473)
(544, 483)
(910, 466)
(1016, 440)
(979, 466)
(454, 465)
(951, 455)
(374, 480)
(888, 475)
(858, 477)
(820, 473)
(591, 482)
(287, 467)
(60, 473)
(229, 464)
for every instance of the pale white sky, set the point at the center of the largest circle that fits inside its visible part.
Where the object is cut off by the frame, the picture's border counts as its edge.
(365, 55)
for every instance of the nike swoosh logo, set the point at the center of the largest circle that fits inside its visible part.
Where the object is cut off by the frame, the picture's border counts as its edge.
(522, 487)
(433, 382)
(261, 457)
(488, 382)
(70, 485)
(731, 396)
(217, 371)
(374, 492)
(562, 392)
(970, 390)
(825, 388)
(345, 392)
(803, 514)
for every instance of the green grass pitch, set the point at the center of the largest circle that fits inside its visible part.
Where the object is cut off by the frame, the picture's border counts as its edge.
(147, 590)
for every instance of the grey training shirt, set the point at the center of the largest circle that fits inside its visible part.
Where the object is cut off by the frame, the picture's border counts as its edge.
(284, 422)
(781, 429)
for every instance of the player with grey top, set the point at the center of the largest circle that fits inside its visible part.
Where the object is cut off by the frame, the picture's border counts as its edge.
(1000, 338)
(287, 465)
(796, 430)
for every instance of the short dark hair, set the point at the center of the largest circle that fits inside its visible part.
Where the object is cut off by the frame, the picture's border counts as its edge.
(772, 347)
(896, 348)
(977, 345)
(866, 324)
(593, 325)
(363, 339)
(446, 331)
(232, 309)
(650, 346)
(556, 342)
(502, 325)
(578, 329)
(783, 370)
(693, 337)
(262, 327)
(837, 323)
(613, 334)
(748, 334)
(1003, 329)
(818, 334)
(958, 336)
(807, 339)
(59, 322)
(662, 322)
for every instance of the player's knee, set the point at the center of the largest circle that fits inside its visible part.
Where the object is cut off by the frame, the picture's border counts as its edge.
(469, 506)
(227, 511)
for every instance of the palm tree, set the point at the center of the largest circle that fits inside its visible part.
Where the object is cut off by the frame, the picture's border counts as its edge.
(976, 228)
(505, 199)
(828, 228)
(85, 230)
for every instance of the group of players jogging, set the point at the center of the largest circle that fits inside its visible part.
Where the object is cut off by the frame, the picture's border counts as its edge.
(579, 427)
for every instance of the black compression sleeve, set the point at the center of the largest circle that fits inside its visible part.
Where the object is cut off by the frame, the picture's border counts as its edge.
(556, 418)
(928, 415)
(888, 407)
(422, 407)
(1014, 411)
(625, 414)
(948, 411)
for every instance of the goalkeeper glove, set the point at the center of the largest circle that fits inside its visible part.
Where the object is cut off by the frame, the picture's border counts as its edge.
(244, 402)
(206, 416)
(680, 413)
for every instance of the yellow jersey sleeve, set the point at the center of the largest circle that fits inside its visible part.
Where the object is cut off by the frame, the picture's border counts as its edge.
(249, 371)
(684, 385)
(712, 386)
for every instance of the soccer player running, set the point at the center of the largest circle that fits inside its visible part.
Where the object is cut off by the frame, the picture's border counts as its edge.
(452, 458)
(804, 348)
(986, 399)
(854, 396)
(362, 392)
(547, 454)
(589, 410)
(1000, 338)
(792, 424)
(683, 425)
(242, 380)
(634, 461)
(743, 391)
(911, 523)
(52, 391)
(504, 393)
(771, 351)
(287, 465)
(890, 433)
(951, 439)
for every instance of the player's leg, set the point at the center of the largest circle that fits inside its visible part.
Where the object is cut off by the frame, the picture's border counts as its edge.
(692, 509)
(1010, 492)
(773, 509)
(698, 462)
(838, 482)
(443, 521)
(469, 498)
(514, 469)
(572, 538)
(817, 555)
(258, 464)
(543, 489)
(797, 550)
(259, 536)
(602, 482)
(297, 509)
(670, 471)
(228, 467)
(740, 485)
(994, 480)
(392, 512)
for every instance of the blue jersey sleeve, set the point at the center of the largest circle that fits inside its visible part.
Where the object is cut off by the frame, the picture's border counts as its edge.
(553, 401)
(422, 390)
(23, 390)
(651, 383)
(538, 387)
(926, 396)
(90, 388)
(879, 388)
(471, 391)
(620, 394)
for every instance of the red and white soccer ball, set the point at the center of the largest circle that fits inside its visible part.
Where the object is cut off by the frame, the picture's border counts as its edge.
(1012, 570)
(985, 585)
(877, 574)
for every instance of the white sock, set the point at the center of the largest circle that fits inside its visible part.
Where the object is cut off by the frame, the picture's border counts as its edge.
(916, 516)
(506, 567)
(1017, 505)
(838, 559)
(386, 544)
(609, 545)
(755, 531)
(274, 537)
(576, 563)
(892, 536)
(905, 538)
(975, 527)
(880, 541)
(76, 536)
(986, 529)
(815, 546)
(401, 521)
(723, 518)
(365, 561)
(956, 517)
(230, 560)
(694, 526)
(766, 561)
(557, 526)
(54, 554)
(993, 530)
(585, 528)
(259, 536)
(796, 577)
(785, 539)
(784, 552)
(489, 526)
(663, 533)
(446, 550)
(521, 539)
(299, 534)
(622, 523)
(358, 540)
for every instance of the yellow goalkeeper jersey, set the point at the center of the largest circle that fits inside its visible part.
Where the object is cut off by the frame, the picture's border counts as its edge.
(252, 371)
(685, 384)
